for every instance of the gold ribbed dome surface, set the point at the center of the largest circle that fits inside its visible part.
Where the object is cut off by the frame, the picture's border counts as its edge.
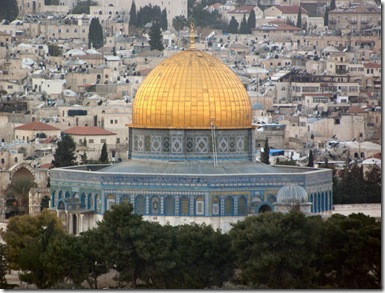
(188, 91)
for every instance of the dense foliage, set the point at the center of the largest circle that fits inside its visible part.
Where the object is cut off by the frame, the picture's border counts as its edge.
(9, 10)
(104, 155)
(266, 251)
(232, 28)
(156, 37)
(65, 152)
(95, 34)
(351, 185)
(83, 7)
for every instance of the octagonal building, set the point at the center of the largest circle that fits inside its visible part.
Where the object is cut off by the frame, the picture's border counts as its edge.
(190, 156)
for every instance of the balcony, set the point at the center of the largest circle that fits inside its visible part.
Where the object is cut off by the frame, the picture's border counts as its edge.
(352, 21)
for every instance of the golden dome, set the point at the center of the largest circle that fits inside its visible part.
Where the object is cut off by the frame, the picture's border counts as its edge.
(188, 91)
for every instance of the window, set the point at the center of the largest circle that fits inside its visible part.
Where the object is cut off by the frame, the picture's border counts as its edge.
(242, 206)
(337, 121)
(184, 206)
(216, 205)
(125, 199)
(110, 201)
(169, 205)
(155, 206)
(140, 203)
(117, 140)
(90, 201)
(98, 203)
(90, 141)
(103, 140)
(15, 159)
(106, 76)
(199, 206)
(111, 121)
(229, 204)
(83, 201)
(116, 121)
(2, 161)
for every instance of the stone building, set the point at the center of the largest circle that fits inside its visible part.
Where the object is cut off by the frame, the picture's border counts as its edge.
(190, 156)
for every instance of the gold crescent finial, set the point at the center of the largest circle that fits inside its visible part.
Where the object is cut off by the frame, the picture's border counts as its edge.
(192, 38)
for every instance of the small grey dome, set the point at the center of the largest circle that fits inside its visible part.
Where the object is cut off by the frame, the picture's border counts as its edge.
(292, 194)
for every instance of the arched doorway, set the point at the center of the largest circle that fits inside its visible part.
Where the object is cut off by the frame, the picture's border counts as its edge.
(264, 208)
(74, 224)
(44, 204)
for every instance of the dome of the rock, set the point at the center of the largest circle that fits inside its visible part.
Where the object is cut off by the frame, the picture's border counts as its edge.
(191, 90)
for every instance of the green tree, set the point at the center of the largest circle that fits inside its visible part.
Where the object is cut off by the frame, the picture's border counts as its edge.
(118, 230)
(65, 152)
(19, 188)
(311, 159)
(156, 37)
(265, 155)
(133, 16)
(244, 29)
(96, 260)
(21, 230)
(332, 5)
(54, 50)
(233, 26)
(95, 34)
(326, 16)
(373, 183)
(149, 14)
(163, 20)
(104, 155)
(179, 22)
(83, 7)
(350, 253)
(299, 17)
(203, 257)
(51, 2)
(350, 185)
(276, 250)
(9, 10)
(3, 268)
(251, 21)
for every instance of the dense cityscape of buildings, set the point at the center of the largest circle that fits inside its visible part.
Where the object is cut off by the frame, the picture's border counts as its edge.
(315, 87)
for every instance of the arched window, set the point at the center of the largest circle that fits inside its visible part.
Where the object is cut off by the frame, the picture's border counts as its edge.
(75, 195)
(140, 205)
(199, 206)
(60, 195)
(110, 201)
(61, 206)
(216, 206)
(67, 194)
(98, 203)
(169, 205)
(229, 206)
(125, 199)
(53, 195)
(91, 201)
(184, 206)
(155, 205)
(242, 206)
(83, 201)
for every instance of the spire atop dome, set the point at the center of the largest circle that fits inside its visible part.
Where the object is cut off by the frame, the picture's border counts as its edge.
(192, 34)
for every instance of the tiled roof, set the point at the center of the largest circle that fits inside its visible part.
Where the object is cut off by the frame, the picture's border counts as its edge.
(372, 65)
(292, 9)
(87, 130)
(242, 10)
(37, 125)
(355, 109)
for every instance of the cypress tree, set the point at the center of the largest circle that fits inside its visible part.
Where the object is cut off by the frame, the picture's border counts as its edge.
(163, 20)
(104, 156)
(133, 18)
(233, 26)
(265, 155)
(65, 152)
(95, 34)
(244, 27)
(251, 21)
(332, 4)
(156, 37)
(299, 18)
(311, 159)
(326, 16)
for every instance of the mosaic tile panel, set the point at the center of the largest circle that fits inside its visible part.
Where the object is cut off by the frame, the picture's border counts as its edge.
(176, 145)
(223, 145)
(190, 145)
(202, 144)
(147, 143)
(166, 144)
(240, 144)
(140, 143)
(232, 144)
(156, 144)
